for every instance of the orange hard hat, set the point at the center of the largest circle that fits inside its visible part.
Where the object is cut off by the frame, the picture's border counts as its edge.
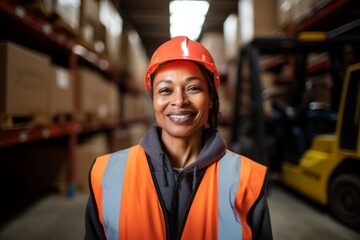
(181, 48)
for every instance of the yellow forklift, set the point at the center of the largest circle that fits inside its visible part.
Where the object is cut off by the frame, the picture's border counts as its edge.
(329, 171)
(322, 166)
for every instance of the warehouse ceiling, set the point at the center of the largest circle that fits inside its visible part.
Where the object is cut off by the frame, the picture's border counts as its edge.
(150, 18)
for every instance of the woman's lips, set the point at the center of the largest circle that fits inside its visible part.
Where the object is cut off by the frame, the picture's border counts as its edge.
(181, 117)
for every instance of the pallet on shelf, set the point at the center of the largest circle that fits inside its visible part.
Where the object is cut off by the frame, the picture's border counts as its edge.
(62, 117)
(22, 120)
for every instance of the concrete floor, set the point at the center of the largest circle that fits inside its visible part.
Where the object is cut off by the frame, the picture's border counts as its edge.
(59, 218)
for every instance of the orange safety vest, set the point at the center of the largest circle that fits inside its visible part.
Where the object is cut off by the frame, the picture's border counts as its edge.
(129, 207)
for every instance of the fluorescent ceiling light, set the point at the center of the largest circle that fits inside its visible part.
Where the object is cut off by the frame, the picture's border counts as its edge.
(110, 18)
(187, 18)
(73, 3)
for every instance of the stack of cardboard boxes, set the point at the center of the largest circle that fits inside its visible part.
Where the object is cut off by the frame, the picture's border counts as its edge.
(136, 103)
(60, 93)
(37, 89)
(33, 90)
(92, 22)
(24, 79)
(35, 86)
(291, 12)
(98, 97)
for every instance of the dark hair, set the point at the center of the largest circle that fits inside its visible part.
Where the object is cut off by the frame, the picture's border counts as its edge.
(210, 78)
(214, 111)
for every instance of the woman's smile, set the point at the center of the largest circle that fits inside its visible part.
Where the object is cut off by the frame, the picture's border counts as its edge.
(181, 117)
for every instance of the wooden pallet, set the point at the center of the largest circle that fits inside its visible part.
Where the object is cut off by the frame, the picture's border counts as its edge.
(22, 120)
(87, 117)
(61, 118)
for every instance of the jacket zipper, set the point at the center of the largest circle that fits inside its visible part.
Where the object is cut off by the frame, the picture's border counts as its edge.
(177, 177)
(162, 204)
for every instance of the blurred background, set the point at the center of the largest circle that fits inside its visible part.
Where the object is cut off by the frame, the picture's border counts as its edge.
(71, 89)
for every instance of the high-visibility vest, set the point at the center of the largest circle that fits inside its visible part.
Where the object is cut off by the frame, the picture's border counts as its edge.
(129, 207)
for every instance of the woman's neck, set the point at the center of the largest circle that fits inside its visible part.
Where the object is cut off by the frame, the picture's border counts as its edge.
(182, 151)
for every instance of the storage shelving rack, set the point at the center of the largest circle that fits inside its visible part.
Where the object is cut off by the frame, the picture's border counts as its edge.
(34, 31)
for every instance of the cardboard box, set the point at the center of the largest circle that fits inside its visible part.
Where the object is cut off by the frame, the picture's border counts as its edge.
(122, 139)
(103, 102)
(61, 91)
(89, 92)
(257, 18)
(90, 25)
(100, 46)
(129, 135)
(90, 10)
(136, 132)
(69, 12)
(286, 12)
(135, 106)
(86, 153)
(134, 59)
(302, 9)
(214, 42)
(93, 94)
(290, 12)
(113, 23)
(93, 37)
(23, 79)
(113, 94)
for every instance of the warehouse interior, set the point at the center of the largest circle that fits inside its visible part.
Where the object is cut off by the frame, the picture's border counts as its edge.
(71, 89)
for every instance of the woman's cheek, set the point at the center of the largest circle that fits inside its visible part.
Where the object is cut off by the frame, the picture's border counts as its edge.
(159, 103)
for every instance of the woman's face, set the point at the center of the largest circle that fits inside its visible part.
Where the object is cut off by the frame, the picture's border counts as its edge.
(181, 98)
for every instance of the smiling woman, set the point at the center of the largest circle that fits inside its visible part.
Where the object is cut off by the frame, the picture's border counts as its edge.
(181, 100)
(180, 181)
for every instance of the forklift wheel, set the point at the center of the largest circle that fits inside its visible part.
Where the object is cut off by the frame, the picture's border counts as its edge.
(344, 199)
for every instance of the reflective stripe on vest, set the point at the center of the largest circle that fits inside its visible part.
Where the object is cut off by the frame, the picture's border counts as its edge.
(127, 199)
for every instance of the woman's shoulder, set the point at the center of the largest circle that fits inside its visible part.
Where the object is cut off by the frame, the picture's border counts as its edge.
(248, 162)
(122, 153)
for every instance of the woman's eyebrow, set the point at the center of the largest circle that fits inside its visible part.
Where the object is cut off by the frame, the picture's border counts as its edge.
(192, 78)
(163, 81)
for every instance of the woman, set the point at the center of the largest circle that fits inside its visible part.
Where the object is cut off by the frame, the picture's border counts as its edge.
(180, 181)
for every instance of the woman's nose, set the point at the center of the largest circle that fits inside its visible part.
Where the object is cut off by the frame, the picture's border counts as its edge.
(180, 99)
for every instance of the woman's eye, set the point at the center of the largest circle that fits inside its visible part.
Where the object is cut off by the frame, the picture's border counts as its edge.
(164, 91)
(194, 89)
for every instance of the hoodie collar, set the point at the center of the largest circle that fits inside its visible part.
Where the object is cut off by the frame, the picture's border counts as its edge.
(214, 148)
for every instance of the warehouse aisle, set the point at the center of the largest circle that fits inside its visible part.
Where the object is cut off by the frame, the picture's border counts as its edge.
(59, 218)
(296, 218)
(55, 217)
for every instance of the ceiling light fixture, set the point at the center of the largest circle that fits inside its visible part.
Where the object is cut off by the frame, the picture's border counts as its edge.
(187, 18)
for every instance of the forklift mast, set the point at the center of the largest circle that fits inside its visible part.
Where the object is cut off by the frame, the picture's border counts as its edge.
(348, 126)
